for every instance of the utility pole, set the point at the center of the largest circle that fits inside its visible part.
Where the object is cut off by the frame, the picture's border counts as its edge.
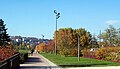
(57, 16)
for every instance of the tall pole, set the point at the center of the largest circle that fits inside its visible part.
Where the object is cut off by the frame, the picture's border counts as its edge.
(56, 38)
(78, 48)
(57, 16)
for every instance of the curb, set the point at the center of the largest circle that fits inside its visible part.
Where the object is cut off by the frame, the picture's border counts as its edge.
(48, 61)
(107, 67)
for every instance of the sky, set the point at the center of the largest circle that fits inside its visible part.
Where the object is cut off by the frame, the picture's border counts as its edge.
(31, 18)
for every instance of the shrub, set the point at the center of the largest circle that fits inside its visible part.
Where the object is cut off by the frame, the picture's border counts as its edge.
(23, 55)
(101, 53)
(6, 52)
(106, 53)
(64, 52)
(113, 56)
(87, 53)
(73, 52)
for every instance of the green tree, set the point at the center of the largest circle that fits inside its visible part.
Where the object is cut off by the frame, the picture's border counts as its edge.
(93, 42)
(111, 36)
(4, 38)
(117, 38)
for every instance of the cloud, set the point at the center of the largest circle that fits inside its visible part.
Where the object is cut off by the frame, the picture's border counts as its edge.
(111, 22)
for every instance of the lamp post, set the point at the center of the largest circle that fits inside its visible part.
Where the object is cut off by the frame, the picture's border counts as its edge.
(78, 47)
(57, 16)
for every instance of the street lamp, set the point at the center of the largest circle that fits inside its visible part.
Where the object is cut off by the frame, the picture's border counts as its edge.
(57, 16)
(78, 36)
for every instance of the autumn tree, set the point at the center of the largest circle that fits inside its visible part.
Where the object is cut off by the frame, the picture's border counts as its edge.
(41, 47)
(67, 40)
(4, 38)
(50, 46)
(84, 36)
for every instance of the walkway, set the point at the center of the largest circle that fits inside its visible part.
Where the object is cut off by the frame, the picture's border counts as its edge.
(37, 61)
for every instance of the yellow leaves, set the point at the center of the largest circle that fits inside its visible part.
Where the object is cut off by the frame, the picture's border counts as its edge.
(68, 38)
(108, 53)
(41, 47)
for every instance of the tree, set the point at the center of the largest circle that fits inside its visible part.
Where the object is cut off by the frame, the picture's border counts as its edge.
(93, 42)
(111, 36)
(41, 47)
(50, 46)
(67, 40)
(4, 38)
(85, 38)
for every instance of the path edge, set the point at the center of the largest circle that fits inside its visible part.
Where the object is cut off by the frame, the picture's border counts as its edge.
(48, 61)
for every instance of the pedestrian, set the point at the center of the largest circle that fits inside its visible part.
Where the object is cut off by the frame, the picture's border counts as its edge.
(32, 51)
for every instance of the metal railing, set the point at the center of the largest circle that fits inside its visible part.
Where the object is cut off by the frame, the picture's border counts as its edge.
(11, 63)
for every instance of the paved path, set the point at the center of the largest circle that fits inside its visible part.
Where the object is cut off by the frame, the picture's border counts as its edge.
(37, 61)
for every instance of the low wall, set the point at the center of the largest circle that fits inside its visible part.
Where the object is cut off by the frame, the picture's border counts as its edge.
(11, 63)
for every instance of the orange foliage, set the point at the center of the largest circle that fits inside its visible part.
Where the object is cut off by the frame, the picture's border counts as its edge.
(6, 52)
(50, 46)
(74, 52)
(106, 53)
(41, 47)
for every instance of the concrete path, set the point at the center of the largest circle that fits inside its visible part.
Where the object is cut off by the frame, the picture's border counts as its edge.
(37, 61)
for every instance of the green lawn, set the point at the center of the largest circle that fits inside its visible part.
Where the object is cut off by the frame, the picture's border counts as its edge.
(23, 51)
(73, 62)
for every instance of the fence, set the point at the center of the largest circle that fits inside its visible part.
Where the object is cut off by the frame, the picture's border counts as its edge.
(11, 63)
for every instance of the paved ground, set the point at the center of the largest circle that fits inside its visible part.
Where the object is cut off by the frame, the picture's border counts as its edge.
(37, 61)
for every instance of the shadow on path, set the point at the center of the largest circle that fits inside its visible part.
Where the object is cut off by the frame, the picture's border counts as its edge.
(39, 67)
(33, 59)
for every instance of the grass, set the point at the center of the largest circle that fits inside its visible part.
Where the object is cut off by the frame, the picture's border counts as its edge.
(23, 51)
(73, 61)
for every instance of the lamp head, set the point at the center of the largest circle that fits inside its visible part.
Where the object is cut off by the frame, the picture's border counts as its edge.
(58, 14)
(55, 12)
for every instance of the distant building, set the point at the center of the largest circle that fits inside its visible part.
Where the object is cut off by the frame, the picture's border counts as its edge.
(17, 40)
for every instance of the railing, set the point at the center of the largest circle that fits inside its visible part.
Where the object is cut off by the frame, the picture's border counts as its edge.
(11, 63)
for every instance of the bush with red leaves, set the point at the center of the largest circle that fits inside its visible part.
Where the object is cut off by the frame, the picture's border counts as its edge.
(110, 53)
(6, 52)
